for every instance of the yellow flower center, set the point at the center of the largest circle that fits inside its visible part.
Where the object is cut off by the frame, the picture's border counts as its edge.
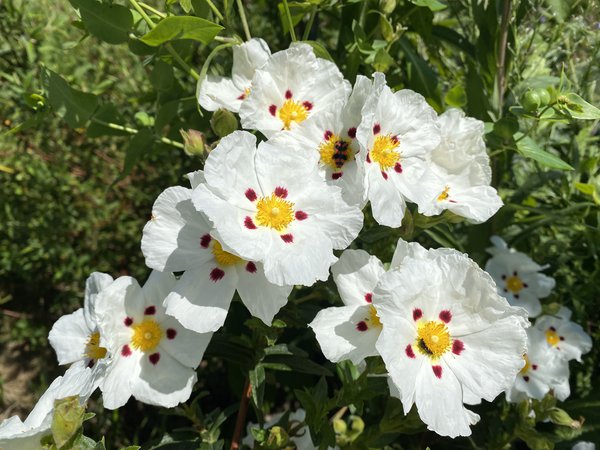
(433, 338)
(526, 367)
(552, 337)
(146, 335)
(292, 111)
(384, 151)
(444, 195)
(373, 317)
(274, 212)
(335, 152)
(224, 258)
(514, 284)
(93, 349)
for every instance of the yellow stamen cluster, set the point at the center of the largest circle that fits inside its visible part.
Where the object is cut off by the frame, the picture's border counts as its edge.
(526, 367)
(552, 337)
(274, 212)
(444, 195)
(373, 317)
(224, 258)
(514, 284)
(384, 151)
(433, 339)
(146, 335)
(290, 112)
(92, 347)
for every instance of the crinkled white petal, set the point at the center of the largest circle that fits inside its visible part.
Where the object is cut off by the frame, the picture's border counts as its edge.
(248, 57)
(220, 92)
(69, 336)
(356, 274)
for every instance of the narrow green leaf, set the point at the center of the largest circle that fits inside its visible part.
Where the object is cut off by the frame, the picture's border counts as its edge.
(140, 144)
(577, 107)
(530, 149)
(182, 27)
(108, 22)
(257, 383)
(433, 5)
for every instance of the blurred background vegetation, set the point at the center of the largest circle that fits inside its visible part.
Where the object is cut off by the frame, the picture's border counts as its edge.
(66, 209)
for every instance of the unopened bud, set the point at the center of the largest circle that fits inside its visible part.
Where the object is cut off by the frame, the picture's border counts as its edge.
(277, 438)
(560, 417)
(339, 426)
(223, 122)
(193, 142)
(387, 6)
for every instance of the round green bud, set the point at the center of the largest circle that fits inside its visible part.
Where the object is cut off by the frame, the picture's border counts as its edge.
(387, 6)
(339, 426)
(530, 101)
(545, 97)
(223, 122)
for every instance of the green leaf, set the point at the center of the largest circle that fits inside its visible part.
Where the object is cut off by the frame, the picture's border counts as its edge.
(109, 114)
(139, 145)
(182, 27)
(577, 107)
(456, 97)
(433, 5)
(67, 419)
(530, 149)
(257, 383)
(74, 106)
(295, 363)
(421, 76)
(108, 22)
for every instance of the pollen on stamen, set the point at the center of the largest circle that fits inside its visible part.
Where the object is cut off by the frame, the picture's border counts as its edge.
(437, 371)
(352, 132)
(216, 274)
(301, 215)
(409, 351)
(128, 321)
(362, 326)
(125, 351)
(287, 238)
(251, 267)
(369, 297)
(150, 310)
(250, 194)
(205, 240)
(154, 358)
(398, 168)
(384, 175)
(417, 314)
(281, 192)
(376, 128)
(248, 223)
(445, 316)
(307, 105)
(288, 94)
(171, 333)
(336, 175)
(457, 347)
(273, 110)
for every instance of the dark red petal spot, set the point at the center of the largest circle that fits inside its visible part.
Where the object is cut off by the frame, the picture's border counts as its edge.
(307, 105)
(552, 329)
(562, 338)
(128, 321)
(287, 238)
(216, 274)
(362, 326)
(250, 194)
(288, 94)
(525, 285)
(437, 371)
(205, 240)
(126, 351)
(251, 267)
(154, 358)
(352, 132)
(505, 290)
(171, 333)
(398, 167)
(248, 223)
(517, 296)
(515, 273)
(445, 316)
(395, 139)
(301, 215)
(526, 378)
(384, 175)
(336, 175)
(281, 192)
(409, 351)
(242, 96)
(273, 109)
(417, 314)
(369, 297)
(150, 311)
(91, 363)
(457, 347)
(376, 128)
(327, 135)
(504, 277)
(369, 158)
(534, 366)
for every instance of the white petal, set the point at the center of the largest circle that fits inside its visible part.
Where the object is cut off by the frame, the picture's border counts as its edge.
(356, 274)
(220, 92)
(248, 57)
(68, 337)
(117, 386)
(387, 203)
(184, 345)
(93, 285)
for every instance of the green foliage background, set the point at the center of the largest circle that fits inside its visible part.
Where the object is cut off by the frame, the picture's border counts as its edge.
(74, 199)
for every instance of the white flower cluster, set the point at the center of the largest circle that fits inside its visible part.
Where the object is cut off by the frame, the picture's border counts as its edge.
(263, 217)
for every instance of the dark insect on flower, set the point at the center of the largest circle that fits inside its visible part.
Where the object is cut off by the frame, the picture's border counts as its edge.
(340, 156)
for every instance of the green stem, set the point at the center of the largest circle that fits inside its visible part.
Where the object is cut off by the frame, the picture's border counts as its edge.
(152, 10)
(145, 16)
(130, 130)
(286, 7)
(311, 19)
(215, 10)
(244, 21)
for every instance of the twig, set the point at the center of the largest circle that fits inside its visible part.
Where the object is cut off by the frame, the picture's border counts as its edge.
(309, 25)
(502, 53)
(288, 14)
(241, 417)
(215, 10)
(130, 130)
(244, 21)
(14, 314)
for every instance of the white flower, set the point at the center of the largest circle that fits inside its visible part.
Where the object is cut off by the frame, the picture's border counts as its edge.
(178, 238)
(398, 133)
(153, 356)
(270, 205)
(584, 445)
(26, 435)
(517, 277)
(566, 339)
(350, 331)
(293, 85)
(76, 337)
(447, 337)
(220, 92)
(332, 136)
(541, 372)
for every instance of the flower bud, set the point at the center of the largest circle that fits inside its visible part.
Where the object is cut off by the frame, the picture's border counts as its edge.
(339, 426)
(545, 97)
(193, 142)
(530, 101)
(356, 425)
(560, 417)
(387, 6)
(277, 438)
(223, 122)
